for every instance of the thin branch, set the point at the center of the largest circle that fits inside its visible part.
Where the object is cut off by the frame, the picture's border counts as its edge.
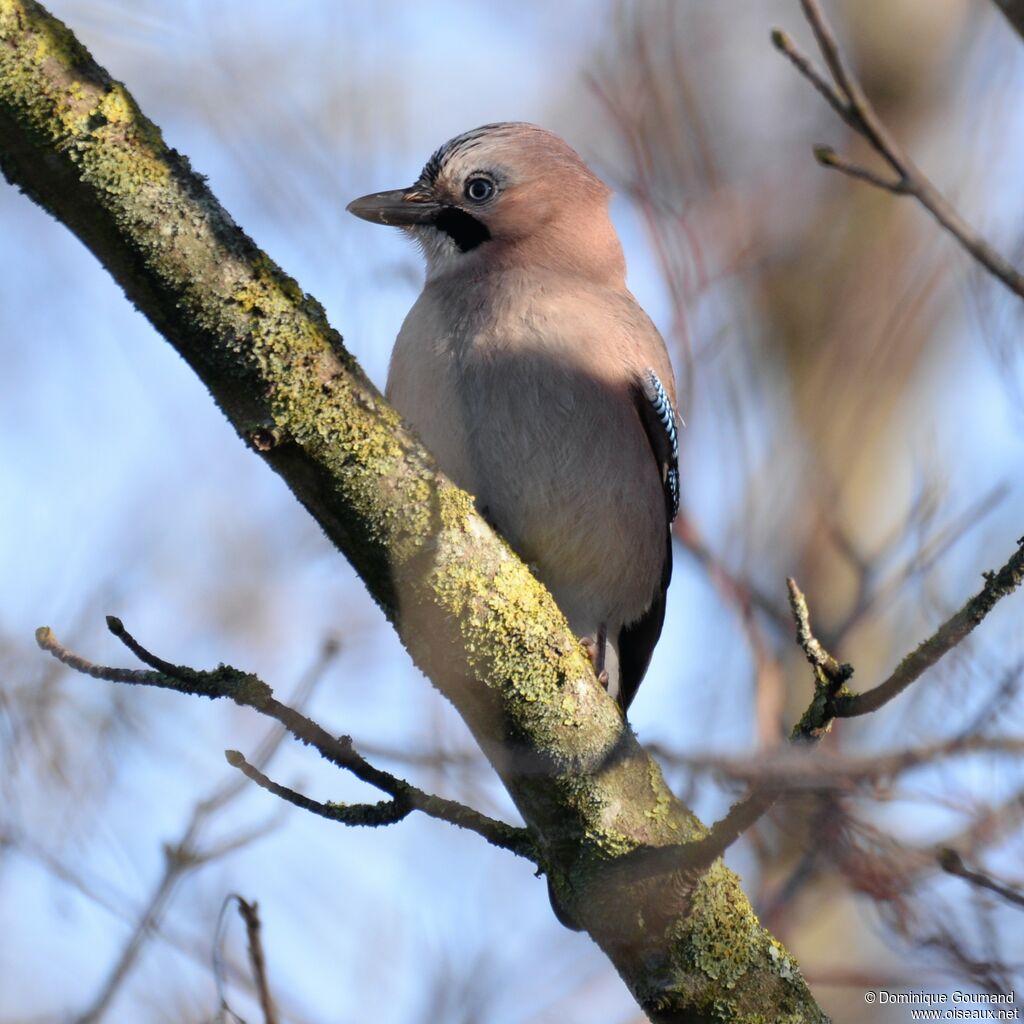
(116, 626)
(239, 841)
(741, 592)
(185, 854)
(831, 700)
(830, 676)
(870, 600)
(794, 768)
(178, 859)
(827, 670)
(829, 679)
(49, 643)
(828, 157)
(385, 812)
(745, 597)
(246, 689)
(989, 827)
(788, 767)
(849, 101)
(224, 1011)
(998, 585)
(112, 903)
(250, 915)
(785, 45)
(951, 862)
(863, 116)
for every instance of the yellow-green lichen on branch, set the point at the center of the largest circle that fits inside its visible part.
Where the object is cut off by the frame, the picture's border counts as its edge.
(664, 800)
(724, 941)
(724, 935)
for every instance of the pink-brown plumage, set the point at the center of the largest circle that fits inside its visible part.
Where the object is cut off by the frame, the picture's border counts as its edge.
(521, 366)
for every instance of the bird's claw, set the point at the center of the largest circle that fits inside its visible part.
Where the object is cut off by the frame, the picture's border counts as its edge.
(593, 649)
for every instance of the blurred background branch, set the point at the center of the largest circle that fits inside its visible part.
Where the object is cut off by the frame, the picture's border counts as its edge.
(249, 913)
(851, 103)
(247, 690)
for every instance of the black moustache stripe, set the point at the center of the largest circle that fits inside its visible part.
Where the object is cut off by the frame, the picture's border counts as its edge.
(462, 228)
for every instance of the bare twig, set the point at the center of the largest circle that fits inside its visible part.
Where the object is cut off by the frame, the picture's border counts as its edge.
(827, 670)
(385, 812)
(951, 862)
(829, 680)
(792, 768)
(872, 598)
(250, 915)
(249, 912)
(695, 857)
(224, 1011)
(742, 593)
(246, 689)
(990, 826)
(185, 854)
(745, 597)
(116, 904)
(850, 103)
(955, 629)
(831, 701)
(830, 677)
(828, 157)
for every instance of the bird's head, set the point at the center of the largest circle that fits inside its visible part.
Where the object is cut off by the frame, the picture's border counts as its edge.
(504, 195)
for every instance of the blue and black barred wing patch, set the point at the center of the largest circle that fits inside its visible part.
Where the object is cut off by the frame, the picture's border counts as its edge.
(661, 423)
(637, 639)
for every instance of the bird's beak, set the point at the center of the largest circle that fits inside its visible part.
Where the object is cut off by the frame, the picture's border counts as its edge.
(400, 207)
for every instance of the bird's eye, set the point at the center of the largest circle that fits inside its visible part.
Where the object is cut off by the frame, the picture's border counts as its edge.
(479, 190)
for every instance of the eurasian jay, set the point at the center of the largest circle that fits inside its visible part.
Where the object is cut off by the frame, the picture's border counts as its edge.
(537, 381)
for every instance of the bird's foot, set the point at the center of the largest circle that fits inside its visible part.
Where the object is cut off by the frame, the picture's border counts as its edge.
(595, 651)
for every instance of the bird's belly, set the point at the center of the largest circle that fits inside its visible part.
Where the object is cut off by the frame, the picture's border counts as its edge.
(562, 467)
(422, 386)
(557, 460)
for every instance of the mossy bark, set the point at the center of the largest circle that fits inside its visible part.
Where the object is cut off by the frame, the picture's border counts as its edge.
(470, 613)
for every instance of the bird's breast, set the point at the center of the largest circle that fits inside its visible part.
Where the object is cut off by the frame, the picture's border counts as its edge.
(531, 417)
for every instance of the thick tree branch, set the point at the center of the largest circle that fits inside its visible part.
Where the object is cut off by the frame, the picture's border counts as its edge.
(846, 97)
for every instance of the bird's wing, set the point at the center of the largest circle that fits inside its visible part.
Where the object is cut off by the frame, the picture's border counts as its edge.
(660, 422)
